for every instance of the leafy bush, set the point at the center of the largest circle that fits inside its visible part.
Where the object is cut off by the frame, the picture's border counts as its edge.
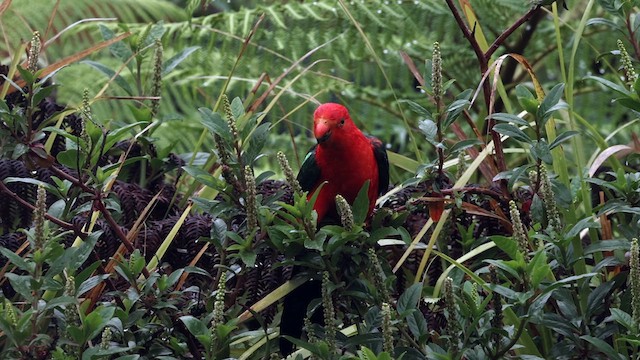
(146, 219)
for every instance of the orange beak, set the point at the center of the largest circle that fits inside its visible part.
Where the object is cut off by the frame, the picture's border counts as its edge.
(321, 130)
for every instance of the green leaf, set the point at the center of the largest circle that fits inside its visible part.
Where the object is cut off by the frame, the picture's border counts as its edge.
(603, 346)
(550, 101)
(430, 130)
(204, 177)
(526, 99)
(175, 60)
(506, 244)
(417, 324)
(73, 158)
(597, 297)
(215, 123)
(257, 141)
(110, 74)
(509, 118)
(611, 85)
(585, 223)
(463, 145)
(316, 243)
(360, 206)
(607, 245)
(90, 283)
(198, 329)
(96, 321)
(21, 284)
(408, 301)
(17, 260)
(155, 33)
(454, 110)
(417, 108)
(540, 150)
(512, 131)
(120, 50)
(624, 319)
(538, 268)
(561, 138)
(237, 108)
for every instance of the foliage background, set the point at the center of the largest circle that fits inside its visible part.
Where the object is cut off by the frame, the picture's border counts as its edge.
(347, 73)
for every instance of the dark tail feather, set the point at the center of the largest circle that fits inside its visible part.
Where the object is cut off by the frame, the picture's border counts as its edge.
(294, 311)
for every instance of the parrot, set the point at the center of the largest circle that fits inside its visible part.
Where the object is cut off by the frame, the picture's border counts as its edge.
(343, 159)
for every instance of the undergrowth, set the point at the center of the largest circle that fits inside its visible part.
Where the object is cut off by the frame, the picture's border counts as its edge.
(510, 231)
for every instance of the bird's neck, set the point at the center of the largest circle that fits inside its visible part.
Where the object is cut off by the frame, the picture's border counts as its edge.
(340, 143)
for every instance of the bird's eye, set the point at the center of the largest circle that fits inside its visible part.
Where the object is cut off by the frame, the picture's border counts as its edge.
(342, 122)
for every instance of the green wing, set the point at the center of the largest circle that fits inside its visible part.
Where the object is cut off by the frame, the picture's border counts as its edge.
(309, 171)
(380, 153)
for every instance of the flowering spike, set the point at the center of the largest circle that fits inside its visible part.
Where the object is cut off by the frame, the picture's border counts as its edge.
(450, 305)
(231, 120)
(156, 85)
(387, 333)
(34, 52)
(634, 279)
(38, 217)
(288, 173)
(627, 64)
(378, 275)
(436, 73)
(519, 233)
(346, 215)
(553, 217)
(329, 314)
(251, 198)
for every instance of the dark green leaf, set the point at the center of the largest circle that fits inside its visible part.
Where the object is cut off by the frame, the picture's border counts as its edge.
(195, 327)
(509, 118)
(550, 100)
(611, 85)
(155, 33)
(540, 150)
(417, 324)
(603, 346)
(17, 260)
(21, 284)
(585, 223)
(418, 109)
(454, 110)
(607, 245)
(512, 131)
(623, 319)
(72, 158)
(360, 206)
(463, 145)
(408, 301)
(596, 299)
(204, 177)
(562, 137)
(526, 99)
(215, 123)
(90, 283)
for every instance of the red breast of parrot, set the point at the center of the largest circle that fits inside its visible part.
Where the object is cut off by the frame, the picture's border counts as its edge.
(344, 158)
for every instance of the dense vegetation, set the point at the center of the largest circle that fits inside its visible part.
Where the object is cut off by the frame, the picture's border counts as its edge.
(149, 207)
